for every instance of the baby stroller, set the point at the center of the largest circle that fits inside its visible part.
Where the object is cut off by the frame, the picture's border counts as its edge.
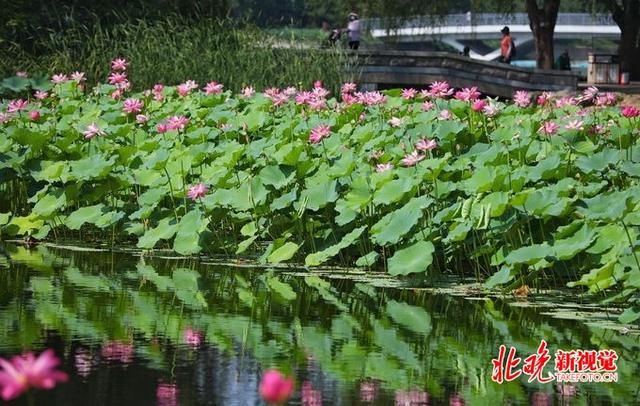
(334, 36)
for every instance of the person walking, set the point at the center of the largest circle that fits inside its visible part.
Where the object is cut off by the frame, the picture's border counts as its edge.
(353, 30)
(506, 46)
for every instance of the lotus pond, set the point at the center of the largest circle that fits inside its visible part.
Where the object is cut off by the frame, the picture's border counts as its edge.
(137, 330)
(538, 193)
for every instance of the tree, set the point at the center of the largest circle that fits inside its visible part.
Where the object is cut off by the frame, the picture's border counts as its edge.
(542, 21)
(626, 13)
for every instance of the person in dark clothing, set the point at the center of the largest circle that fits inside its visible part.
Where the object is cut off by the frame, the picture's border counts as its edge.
(564, 61)
(466, 50)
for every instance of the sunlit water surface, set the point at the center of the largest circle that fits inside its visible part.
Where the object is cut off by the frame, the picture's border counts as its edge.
(134, 331)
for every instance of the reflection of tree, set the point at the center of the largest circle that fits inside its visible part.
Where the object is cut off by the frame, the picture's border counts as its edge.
(404, 339)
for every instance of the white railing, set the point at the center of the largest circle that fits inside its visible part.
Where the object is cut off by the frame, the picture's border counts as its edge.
(480, 19)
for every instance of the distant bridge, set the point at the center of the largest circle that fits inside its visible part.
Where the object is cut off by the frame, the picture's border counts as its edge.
(386, 69)
(453, 28)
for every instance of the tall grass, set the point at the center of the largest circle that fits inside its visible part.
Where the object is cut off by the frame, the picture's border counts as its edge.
(174, 49)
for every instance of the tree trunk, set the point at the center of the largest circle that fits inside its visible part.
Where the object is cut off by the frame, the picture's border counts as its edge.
(627, 16)
(542, 21)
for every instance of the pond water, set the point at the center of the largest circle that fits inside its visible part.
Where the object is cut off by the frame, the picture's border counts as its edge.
(154, 331)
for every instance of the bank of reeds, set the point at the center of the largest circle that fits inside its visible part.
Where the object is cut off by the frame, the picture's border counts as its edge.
(170, 50)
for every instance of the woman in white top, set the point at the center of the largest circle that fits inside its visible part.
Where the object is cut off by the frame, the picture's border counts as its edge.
(353, 29)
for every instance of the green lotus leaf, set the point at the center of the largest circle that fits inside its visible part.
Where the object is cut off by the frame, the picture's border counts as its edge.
(323, 256)
(189, 231)
(88, 214)
(413, 259)
(413, 318)
(165, 229)
(284, 253)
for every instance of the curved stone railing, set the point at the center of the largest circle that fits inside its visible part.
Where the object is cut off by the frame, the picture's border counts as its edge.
(382, 68)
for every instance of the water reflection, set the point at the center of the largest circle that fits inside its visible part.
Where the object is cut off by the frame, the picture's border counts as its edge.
(172, 332)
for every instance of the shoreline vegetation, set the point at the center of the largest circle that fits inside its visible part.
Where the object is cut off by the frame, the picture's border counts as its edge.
(541, 191)
(170, 49)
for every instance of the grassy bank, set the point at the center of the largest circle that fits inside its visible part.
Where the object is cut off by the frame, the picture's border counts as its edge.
(170, 50)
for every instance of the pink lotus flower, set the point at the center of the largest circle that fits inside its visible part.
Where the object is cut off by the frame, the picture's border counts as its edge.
(40, 95)
(141, 119)
(383, 167)
(92, 131)
(21, 74)
(59, 78)
(310, 396)
(395, 122)
(290, 91)
(317, 84)
(78, 77)
(607, 99)
(167, 394)
(589, 93)
(543, 98)
(409, 94)
(272, 91)
(522, 98)
(456, 400)
(27, 371)
(177, 122)
(17, 105)
(317, 104)
(440, 89)
(318, 133)
(157, 92)
(467, 94)
(117, 77)
(320, 92)
(371, 98)
(5, 117)
(549, 128)
(368, 391)
(116, 94)
(376, 154)
(34, 115)
(566, 101)
(279, 99)
(130, 106)
(445, 115)
(491, 110)
(348, 87)
(190, 336)
(427, 105)
(118, 351)
(248, 91)
(119, 64)
(124, 85)
(478, 105)
(275, 388)
(426, 145)
(161, 128)
(196, 192)
(348, 99)
(411, 398)
(630, 111)
(84, 362)
(213, 88)
(304, 97)
(185, 88)
(412, 159)
(574, 125)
